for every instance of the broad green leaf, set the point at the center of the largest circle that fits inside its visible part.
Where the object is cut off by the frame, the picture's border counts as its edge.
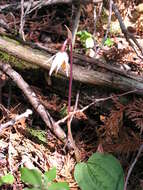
(7, 179)
(59, 186)
(101, 172)
(108, 42)
(89, 43)
(31, 176)
(49, 175)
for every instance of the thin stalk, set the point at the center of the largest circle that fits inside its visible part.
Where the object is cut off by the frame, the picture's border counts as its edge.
(70, 80)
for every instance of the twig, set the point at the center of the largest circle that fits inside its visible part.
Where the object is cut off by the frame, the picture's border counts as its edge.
(39, 4)
(132, 166)
(128, 35)
(75, 107)
(22, 21)
(91, 104)
(22, 18)
(97, 16)
(14, 120)
(108, 26)
(109, 20)
(70, 137)
(4, 25)
(55, 128)
(10, 148)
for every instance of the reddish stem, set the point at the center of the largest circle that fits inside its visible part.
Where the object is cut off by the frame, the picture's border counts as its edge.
(70, 80)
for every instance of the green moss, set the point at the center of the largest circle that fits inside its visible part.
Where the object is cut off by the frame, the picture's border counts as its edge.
(16, 62)
(11, 40)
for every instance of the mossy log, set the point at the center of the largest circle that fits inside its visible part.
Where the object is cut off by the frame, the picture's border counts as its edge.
(100, 75)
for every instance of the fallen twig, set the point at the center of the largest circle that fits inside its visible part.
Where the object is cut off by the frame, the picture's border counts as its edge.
(128, 35)
(91, 104)
(132, 166)
(14, 120)
(55, 128)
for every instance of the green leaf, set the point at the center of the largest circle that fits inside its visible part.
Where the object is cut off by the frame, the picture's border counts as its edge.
(32, 188)
(108, 42)
(49, 176)
(84, 35)
(101, 172)
(38, 134)
(31, 176)
(7, 179)
(59, 186)
(89, 43)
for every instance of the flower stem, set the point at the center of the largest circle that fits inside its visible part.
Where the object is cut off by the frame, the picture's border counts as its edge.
(70, 80)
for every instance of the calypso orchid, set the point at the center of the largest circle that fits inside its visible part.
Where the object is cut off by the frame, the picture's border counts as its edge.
(59, 60)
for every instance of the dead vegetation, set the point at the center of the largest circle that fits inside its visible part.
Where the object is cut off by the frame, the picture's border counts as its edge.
(104, 114)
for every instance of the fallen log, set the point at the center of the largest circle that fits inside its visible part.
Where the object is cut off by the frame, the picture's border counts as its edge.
(38, 5)
(99, 74)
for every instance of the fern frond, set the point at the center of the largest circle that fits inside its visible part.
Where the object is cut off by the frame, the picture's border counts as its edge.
(134, 111)
(114, 122)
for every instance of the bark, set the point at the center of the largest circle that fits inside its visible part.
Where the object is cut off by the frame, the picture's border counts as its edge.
(99, 74)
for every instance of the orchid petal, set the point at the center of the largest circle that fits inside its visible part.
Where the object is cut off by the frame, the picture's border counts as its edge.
(54, 63)
(50, 59)
(59, 59)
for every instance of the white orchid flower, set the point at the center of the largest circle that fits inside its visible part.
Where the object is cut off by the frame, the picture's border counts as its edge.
(59, 60)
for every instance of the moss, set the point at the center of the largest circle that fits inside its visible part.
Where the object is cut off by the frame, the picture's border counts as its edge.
(11, 40)
(16, 62)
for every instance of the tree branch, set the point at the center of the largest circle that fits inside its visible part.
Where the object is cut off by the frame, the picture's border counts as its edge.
(31, 96)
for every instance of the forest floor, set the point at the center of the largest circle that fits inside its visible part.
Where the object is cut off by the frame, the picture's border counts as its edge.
(118, 128)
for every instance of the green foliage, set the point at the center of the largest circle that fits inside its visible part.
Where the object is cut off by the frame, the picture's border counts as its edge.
(49, 175)
(86, 39)
(39, 181)
(108, 42)
(31, 176)
(39, 135)
(58, 186)
(7, 179)
(63, 111)
(102, 171)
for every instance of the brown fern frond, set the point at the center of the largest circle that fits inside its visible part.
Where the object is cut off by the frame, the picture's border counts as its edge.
(113, 122)
(134, 111)
(123, 146)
